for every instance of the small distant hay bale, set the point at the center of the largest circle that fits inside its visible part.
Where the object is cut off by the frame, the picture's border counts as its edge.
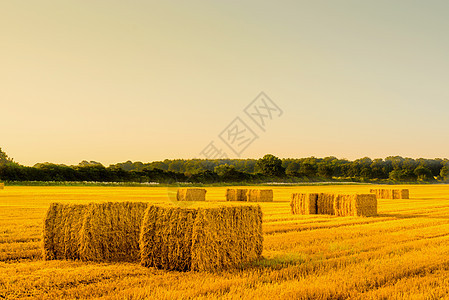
(191, 194)
(355, 205)
(236, 195)
(325, 204)
(62, 224)
(204, 239)
(303, 203)
(258, 195)
(2, 185)
(111, 231)
(96, 231)
(391, 193)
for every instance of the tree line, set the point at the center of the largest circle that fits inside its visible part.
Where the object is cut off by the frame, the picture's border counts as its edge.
(268, 168)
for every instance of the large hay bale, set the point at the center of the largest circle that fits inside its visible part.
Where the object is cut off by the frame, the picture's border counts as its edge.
(258, 195)
(303, 203)
(391, 193)
(355, 205)
(191, 194)
(2, 185)
(206, 239)
(111, 231)
(236, 195)
(96, 231)
(166, 237)
(325, 204)
(62, 224)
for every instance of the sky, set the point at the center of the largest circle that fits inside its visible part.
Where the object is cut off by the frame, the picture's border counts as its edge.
(112, 81)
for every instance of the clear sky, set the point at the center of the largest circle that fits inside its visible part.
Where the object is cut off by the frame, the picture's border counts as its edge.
(143, 80)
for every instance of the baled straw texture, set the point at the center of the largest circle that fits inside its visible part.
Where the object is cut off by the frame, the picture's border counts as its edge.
(257, 195)
(226, 237)
(205, 239)
(325, 204)
(96, 231)
(191, 194)
(236, 195)
(391, 193)
(355, 205)
(303, 203)
(62, 224)
(166, 237)
(111, 231)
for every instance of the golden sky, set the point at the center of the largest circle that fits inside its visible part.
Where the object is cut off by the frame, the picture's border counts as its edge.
(143, 80)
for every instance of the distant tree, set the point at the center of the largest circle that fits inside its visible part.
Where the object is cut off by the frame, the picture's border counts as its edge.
(270, 165)
(423, 174)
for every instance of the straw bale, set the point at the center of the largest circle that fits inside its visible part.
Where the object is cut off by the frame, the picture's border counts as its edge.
(258, 195)
(226, 237)
(236, 195)
(191, 194)
(2, 185)
(325, 204)
(62, 224)
(355, 205)
(111, 231)
(303, 203)
(204, 238)
(391, 193)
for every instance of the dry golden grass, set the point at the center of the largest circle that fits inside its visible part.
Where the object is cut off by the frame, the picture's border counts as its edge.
(402, 253)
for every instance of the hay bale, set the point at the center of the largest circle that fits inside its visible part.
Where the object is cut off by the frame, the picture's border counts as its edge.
(62, 224)
(355, 205)
(325, 204)
(258, 195)
(2, 185)
(391, 193)
(205, 239)
(111, 231)
(191, 194)
(303, 203)
(166, 237)
(236, 195)
(96, 231)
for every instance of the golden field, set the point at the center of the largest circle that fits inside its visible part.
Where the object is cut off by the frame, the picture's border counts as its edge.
(402, 253)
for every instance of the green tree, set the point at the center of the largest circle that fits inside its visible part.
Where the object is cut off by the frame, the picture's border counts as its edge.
(270, 165)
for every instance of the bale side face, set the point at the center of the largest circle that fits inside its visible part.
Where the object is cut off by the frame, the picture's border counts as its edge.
(325, 204)
(257, 195)
(226, 237)
(2, 185)
(61, 231)
(391, 193)
(191, 194)
(236, 195)
(110, 231)
(303, 204)
(166, 238)
(344, 205)
(365, 205)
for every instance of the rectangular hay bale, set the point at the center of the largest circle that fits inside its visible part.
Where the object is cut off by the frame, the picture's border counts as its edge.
(236, 195)
(93, 232)
(2, 185)
(259, 195)
(191, 194)
(325, 204)
(204, 239)
(355, 205)
(391, 193)
(303, 203)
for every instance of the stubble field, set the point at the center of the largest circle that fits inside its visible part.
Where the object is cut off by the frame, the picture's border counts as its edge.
(401, 253)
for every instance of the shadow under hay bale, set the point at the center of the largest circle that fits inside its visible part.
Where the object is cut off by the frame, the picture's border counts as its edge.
(257, 195)
(203, 239)
(391, 193)
(96, 231)
(191, 194)
(303, 203)
(236, 195)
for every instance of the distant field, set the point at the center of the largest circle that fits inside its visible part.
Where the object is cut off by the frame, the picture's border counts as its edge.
(402, 253)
